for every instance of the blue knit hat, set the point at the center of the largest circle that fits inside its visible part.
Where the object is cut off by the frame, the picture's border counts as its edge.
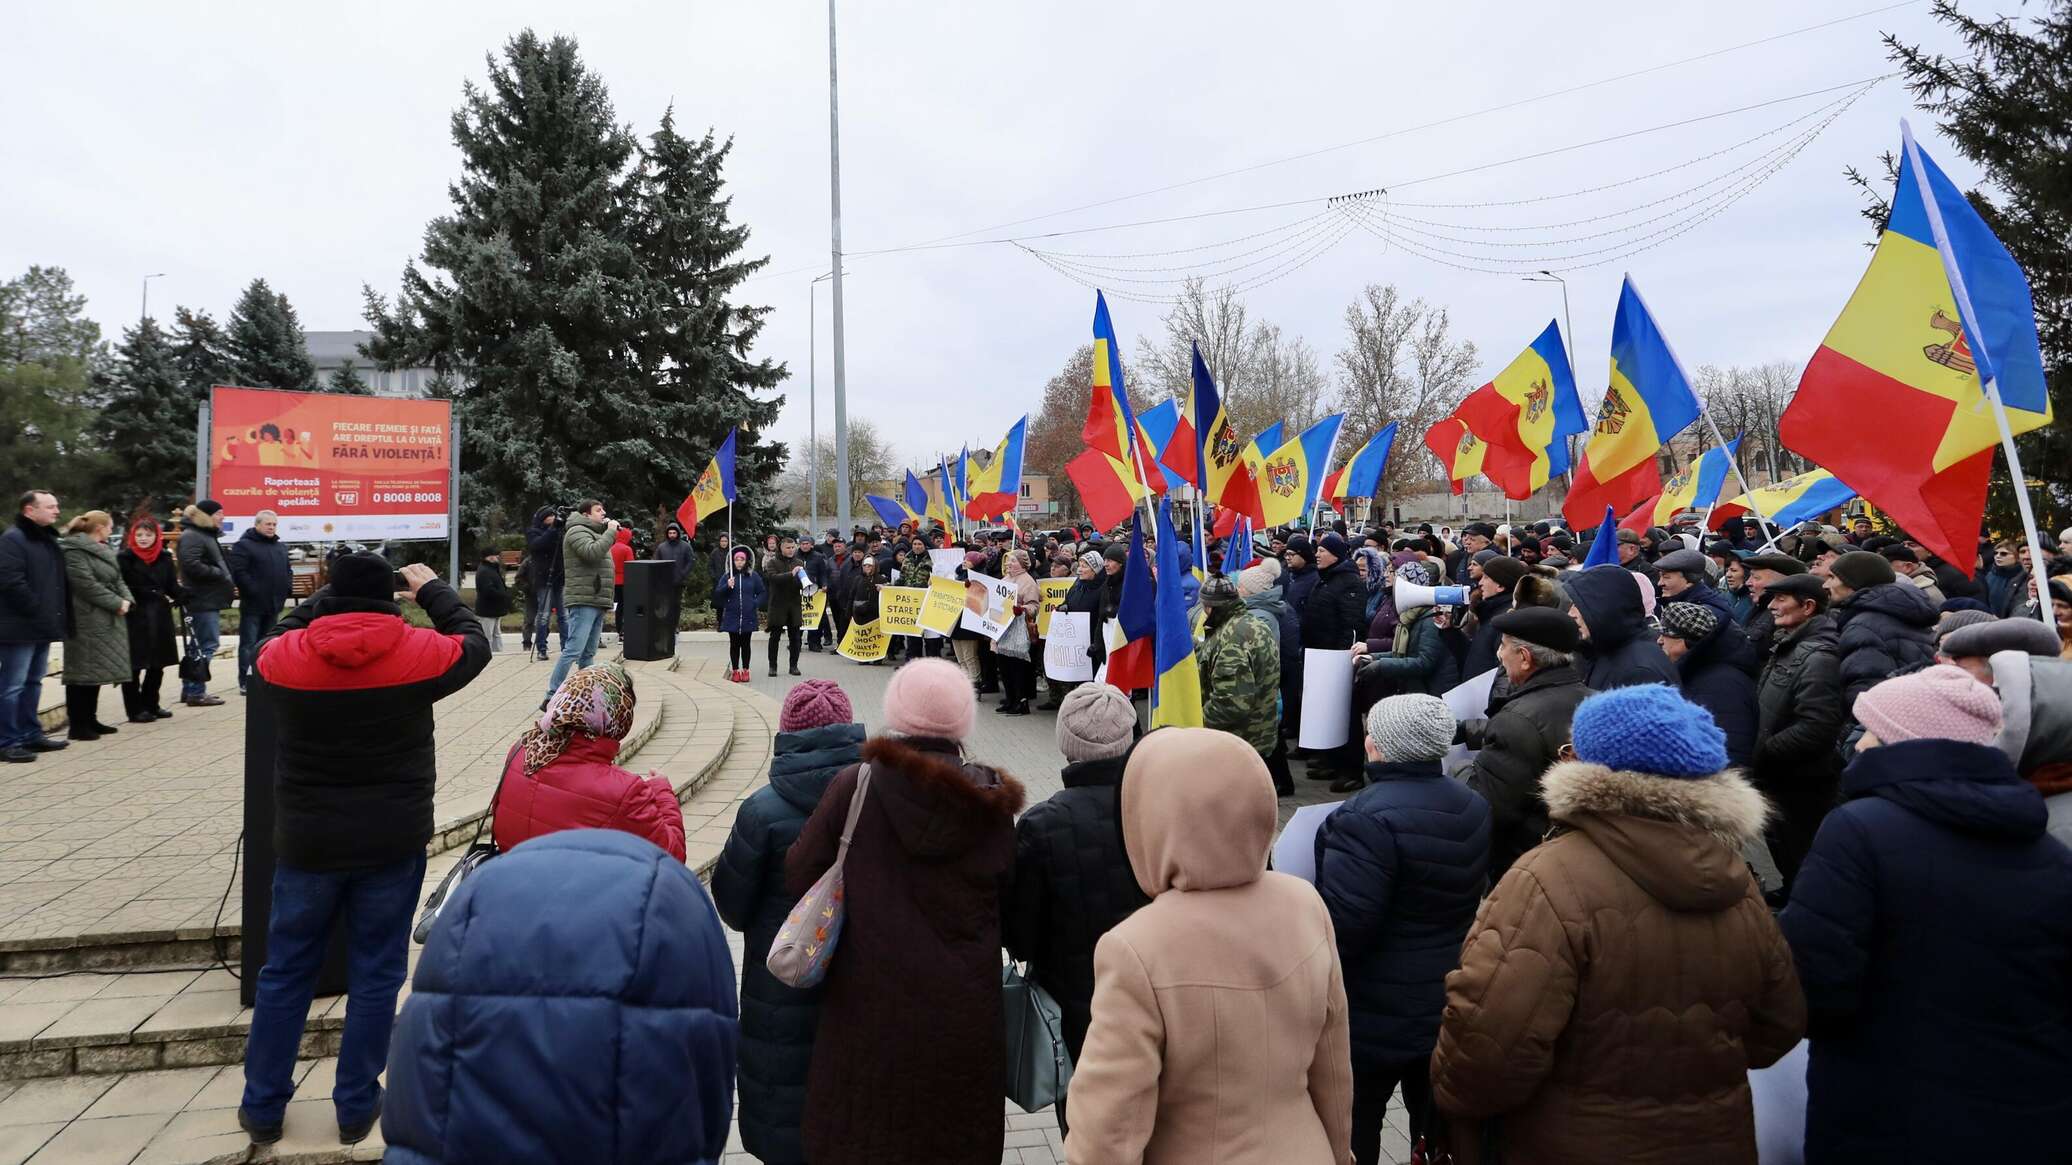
(1648, 729)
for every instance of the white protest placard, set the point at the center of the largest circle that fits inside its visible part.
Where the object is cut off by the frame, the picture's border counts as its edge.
(944, 563)
(1295, 851)
(988, 604)
(1065, 652)
(1327, 697)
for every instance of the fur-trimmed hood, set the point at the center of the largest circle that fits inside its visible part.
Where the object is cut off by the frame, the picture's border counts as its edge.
(938, 803)
(198, 518)
(1679, 838)
(1539, 588)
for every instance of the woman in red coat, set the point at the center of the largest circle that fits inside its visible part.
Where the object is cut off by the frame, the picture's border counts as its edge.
(560, 774)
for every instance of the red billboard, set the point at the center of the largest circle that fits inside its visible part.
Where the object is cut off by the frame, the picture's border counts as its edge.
(334, 468)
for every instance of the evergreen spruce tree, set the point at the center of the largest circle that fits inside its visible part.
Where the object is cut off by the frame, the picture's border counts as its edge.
(347, 381)
(694, 341)
(147, 423)
(267, 343)
(51, 362)
(528, 292)
(201, 353)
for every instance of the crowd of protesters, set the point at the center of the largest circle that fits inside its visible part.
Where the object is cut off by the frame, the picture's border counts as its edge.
(1755, 850)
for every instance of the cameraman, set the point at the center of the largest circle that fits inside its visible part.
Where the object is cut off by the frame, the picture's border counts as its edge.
(353, 686)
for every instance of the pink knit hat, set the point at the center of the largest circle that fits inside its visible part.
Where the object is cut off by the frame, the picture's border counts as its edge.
(930, 697)
(1937, 703)
(814, 704)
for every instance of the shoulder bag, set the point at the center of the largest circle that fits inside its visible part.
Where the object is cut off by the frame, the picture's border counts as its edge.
(479, 853)
(805, 944)
(194, 666)
(1038, 1068)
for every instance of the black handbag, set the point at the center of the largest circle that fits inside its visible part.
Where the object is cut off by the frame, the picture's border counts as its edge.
(478, 855)
(194, 666)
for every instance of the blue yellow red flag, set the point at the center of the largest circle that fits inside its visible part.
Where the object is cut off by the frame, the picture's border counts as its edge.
(1648, 401)
(1360, 476)
(1176, 695)
(1791, 501)
(1163, 425)
(1131, 664)
(995, 489)
(1942, 310)
(1458, 450)
(1294, 473)
(1526, 415)
(1696, 488)
(891, 511)
(1237, 548)
(1110, 425)
(714, 489)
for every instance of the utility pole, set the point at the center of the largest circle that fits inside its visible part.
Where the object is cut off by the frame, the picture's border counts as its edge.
(1569, 348)
(144, 310)
(834, 180)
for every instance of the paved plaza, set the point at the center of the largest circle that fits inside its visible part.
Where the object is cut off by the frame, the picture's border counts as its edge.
(131, 839)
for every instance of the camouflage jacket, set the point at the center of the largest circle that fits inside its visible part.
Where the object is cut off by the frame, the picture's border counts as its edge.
(914, 571)
(1241, 679)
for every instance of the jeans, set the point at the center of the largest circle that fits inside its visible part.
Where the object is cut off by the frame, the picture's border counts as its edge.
(579, 647)
(549, 602)
(492, 630)
(378, 905)
(1371, 1092)
(252, 625)
(208, 635)
(22, 668)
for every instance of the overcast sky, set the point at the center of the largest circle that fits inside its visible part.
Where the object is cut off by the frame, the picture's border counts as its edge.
(218, 141)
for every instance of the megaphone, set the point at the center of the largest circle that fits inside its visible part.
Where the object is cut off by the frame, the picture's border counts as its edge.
(1410, 594)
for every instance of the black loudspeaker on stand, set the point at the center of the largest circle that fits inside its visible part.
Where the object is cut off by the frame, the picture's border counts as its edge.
(648, 609)
(261, 749)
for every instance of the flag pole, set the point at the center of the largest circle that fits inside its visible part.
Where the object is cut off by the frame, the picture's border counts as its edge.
(1325, 472)
(1734, 462)
(1991, 386)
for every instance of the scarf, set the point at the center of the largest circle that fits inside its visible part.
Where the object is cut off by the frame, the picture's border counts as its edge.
(148, 554)
(595, 701)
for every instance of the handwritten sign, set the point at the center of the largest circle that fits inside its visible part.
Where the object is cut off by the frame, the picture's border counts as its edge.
(1052, 591)
(945, 602)
(1065, 647)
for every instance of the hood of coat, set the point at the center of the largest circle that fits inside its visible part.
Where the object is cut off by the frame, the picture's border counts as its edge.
(1971, 788)
(1680, 839)
(194, 518)
(1198, 811)
(355, 632)
(806, 762)
(946, 804)
(87, 544)
(1901, 601)
(625, 537)
(1269, 601)
(2036, 699)
(1610, 605)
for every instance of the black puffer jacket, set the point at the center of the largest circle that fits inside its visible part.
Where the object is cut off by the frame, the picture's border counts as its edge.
(204, 571)
(1401, 865)
(1481, 653)
(1719, 676)
(543, 549)
(1522, 736)
(1882, 629)
(1799, 717)
(1084, 597)
(259, 566)
(35, 596)
(1334, 614)
(1620, 650)
(777, 1022)
(1072, 884)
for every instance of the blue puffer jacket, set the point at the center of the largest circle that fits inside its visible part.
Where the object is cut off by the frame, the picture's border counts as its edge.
(737, 605)
(777, 1022)
(1932, 927)
(1401, 865)
(575, 1003)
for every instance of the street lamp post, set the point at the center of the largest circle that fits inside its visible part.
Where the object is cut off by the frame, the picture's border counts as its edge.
(144, 309)
(1570, 349)
(834, 179)
(812, 401)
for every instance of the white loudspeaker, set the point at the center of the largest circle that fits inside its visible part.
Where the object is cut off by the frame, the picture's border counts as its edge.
(1410, 594)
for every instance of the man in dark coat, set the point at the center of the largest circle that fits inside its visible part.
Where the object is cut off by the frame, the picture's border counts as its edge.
(353, 687)
(1633, 557)
(676, 550)
(600, 1003)
(817, 737)
(821, 559)
(211, 588)
(265, 583)
(1798, 720)
(1717, 668)
(1884, 625)
(1685, 576)
(35, 612)
(1332, 617)
(1300, 574)
(1492, 598)
(1072, 879)
(1618, 649)
(1526, 728)
(1475, 537)
(1401, 867)
(543, 550)
(1763, 570)
(1931, 926)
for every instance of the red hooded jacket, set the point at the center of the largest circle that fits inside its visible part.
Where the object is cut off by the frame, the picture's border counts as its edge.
(583, 789)
(622, 553)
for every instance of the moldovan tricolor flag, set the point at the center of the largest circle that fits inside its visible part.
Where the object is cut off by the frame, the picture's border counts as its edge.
(1176, 695)
(1131, 664)
(714, 490)
(1526, 415)
(1216, 464)
(1791, 501)
(1459, 450)
(1295, 472)
(1107, 474)
(1694, 489)
(1168, 432)
(1894, 400)
(1648, 401)
(994, 489)
(1360, 476)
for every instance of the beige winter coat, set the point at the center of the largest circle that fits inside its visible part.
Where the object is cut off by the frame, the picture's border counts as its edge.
(1219, 1019)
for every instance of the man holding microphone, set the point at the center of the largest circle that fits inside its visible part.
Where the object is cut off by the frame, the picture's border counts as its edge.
(586, 587)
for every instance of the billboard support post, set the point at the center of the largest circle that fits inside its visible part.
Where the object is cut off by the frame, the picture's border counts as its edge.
(453, 506)
(201, 451)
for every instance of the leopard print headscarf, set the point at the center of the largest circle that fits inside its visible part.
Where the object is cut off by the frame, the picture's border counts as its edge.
(595, 701)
